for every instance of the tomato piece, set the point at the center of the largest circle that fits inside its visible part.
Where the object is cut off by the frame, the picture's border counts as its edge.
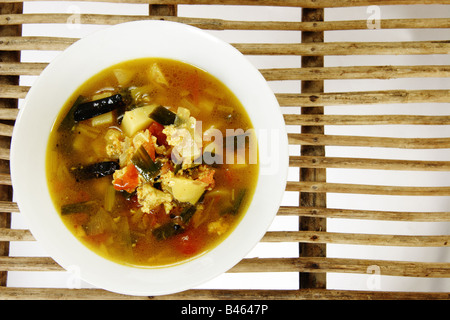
(156, 130)
(188, 243)
(97, 239)
(150, 148)
(208, 178)
(129, 181)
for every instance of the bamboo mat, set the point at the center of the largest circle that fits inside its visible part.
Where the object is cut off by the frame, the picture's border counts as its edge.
(321, 105)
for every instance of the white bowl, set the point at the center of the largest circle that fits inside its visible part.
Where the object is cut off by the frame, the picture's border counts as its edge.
(86, 58)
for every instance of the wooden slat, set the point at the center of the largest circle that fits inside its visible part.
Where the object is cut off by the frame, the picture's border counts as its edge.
(363, 97)
(368, 163)
(328, 187)
(22, 68)
(357, 72)
(13, 91)
(5, 179)
(7, 206)
(277, 74)
(345, 48)
(8, 113)
(220, 24)
(6, 130)
(303, 3)
(361, 141)
(342, 265)
(364, 214)
(316, 99)
(12, 293)
(4, 154)
(29, 264)
(7, 234)
(357, 239)
(35, 43)
(285, 3)
(5, 140)
(303, 49)
(302, 264)
(336, 120)
(312, 280)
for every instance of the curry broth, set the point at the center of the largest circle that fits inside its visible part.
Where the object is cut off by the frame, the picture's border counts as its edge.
(119, 229)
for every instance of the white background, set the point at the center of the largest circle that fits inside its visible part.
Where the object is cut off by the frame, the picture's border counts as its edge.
(376, 177)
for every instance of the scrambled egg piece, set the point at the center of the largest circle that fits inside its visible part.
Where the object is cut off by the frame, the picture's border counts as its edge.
(186, 141)
(150, 198)
(219, 226)
(114, 143)
(140, 138)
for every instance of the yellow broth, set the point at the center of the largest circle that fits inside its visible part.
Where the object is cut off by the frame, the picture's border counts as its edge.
(114, 223)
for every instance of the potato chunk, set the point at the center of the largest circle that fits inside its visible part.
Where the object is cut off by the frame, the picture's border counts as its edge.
(137, 119)
(187, 190)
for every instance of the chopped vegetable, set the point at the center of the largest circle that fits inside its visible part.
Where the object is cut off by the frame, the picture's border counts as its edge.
(182, 116)
(187, 190)
(87, 131)
(145, 165)
(167, 230)
(110, 198)
(85, 206)
(157, 75)
(137, 119)
(163, 116)
(187, 213)
(123, 76)
(68, 122)
(173, 228)
(96, 170)
(94, 108)
(234, 208)
(103, 119)
(156, 130)
(128, 181)
(100, 223)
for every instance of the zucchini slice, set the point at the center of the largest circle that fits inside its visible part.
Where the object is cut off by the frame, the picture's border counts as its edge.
(163, 116)
(95, 108)
(145, 165)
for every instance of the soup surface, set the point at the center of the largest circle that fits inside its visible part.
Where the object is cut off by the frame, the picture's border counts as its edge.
(152, 162)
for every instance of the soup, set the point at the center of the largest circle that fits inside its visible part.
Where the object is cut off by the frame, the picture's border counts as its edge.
(152, 162)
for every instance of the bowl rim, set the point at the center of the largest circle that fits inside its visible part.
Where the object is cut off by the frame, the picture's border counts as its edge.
(88, 265)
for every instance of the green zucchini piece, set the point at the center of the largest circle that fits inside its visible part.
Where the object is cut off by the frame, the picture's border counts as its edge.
(69, 120)
(172, 228)
(145, 165)
(163, 116)
(167, 230)
(95, 170)
(94, 108)
(187, 213)
(71, 208)
(234, 208)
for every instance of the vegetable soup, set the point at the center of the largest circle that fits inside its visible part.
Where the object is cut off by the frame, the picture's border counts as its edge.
(152, 162)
